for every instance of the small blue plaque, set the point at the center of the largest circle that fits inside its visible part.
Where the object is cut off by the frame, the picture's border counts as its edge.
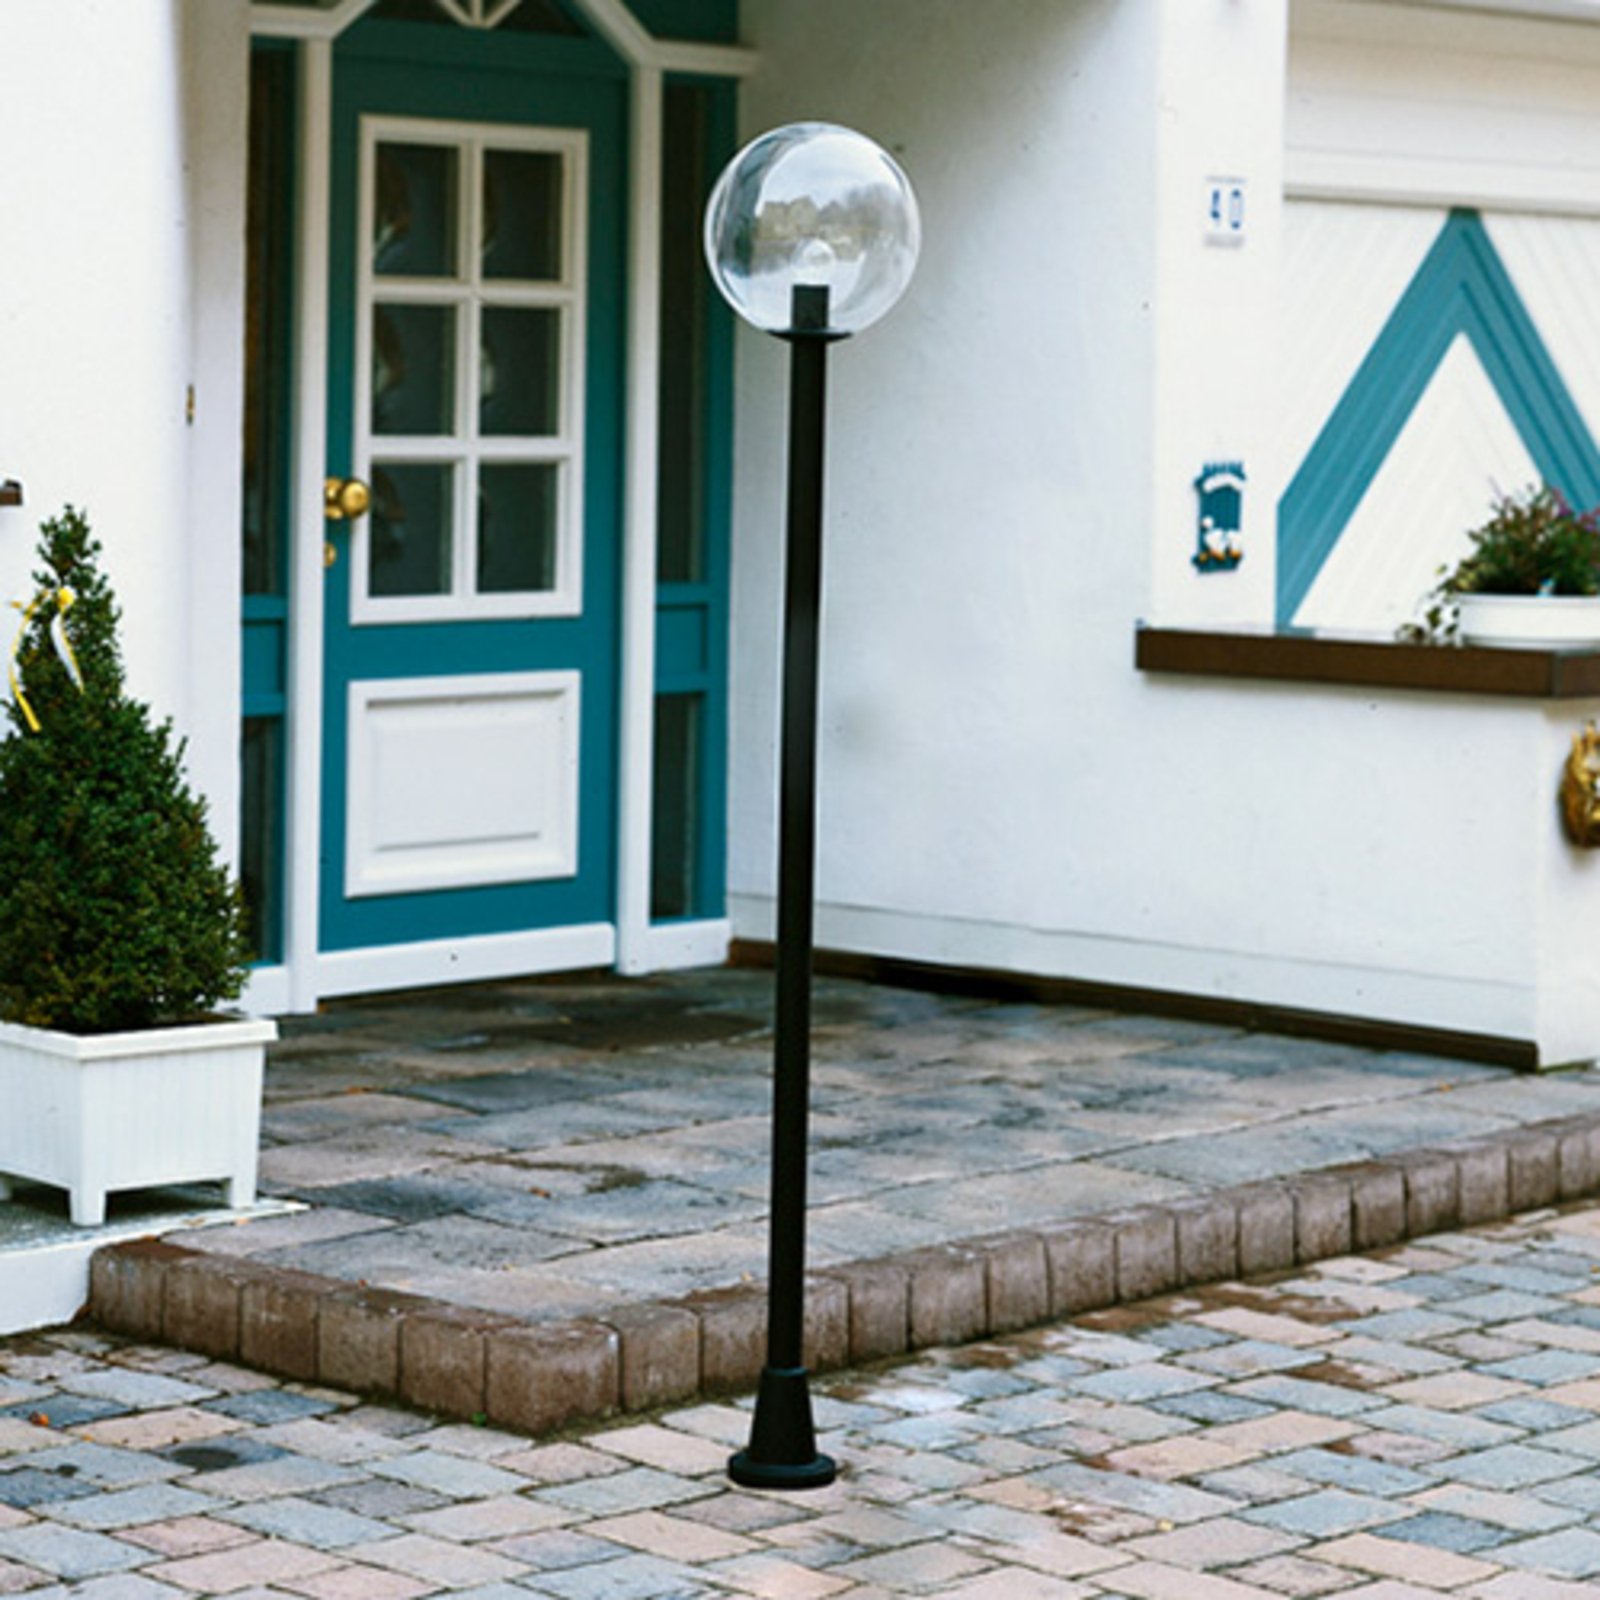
(1220, 488)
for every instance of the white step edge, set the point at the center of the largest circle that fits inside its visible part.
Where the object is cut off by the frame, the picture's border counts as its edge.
(44, 1280)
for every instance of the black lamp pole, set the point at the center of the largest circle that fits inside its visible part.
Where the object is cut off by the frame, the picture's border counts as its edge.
(782, 1453)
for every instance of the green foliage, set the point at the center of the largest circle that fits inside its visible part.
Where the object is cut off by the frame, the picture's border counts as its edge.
(1534, 543)
(115, 912)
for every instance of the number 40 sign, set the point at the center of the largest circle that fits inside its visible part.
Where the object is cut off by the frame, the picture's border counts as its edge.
(1225, 211)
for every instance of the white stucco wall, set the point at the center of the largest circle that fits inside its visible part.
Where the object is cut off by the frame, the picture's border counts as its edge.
(122, 140)
(1012, 455)
(216, 46)
(984, 557)
(1220, 120)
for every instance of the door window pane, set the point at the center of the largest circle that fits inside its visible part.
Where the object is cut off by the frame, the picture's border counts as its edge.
(410, 544)
(522, 215)
(407, 11)
(269, 232)
(543, 16)
(519, 372)
(261, 833)
(517, 511)
(414, 211)
(675, 822)
(413, 369)
(469, 427)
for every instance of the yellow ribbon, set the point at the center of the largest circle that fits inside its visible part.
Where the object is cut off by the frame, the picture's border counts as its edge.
(58, 636)
(64, 598)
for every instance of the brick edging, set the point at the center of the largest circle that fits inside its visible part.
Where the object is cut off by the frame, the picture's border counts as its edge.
(538, 1377)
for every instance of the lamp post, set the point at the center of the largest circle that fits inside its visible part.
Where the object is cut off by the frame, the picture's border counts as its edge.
(811, 235)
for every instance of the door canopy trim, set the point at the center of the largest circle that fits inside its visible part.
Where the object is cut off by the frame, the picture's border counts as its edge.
(611, 19)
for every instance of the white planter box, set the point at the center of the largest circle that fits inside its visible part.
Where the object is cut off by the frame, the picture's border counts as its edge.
(1531, 621)
(111, 1111)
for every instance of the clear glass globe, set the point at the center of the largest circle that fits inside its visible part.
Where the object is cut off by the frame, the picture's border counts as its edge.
(812, 205)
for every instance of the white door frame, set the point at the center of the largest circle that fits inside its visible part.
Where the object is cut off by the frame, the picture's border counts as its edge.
(307, 974)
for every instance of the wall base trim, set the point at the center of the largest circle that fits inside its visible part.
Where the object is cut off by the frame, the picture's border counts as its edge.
(985, 982)
(668, 946)
(431, 963)
(1464, 1005)
(267, 992)
(661, 947)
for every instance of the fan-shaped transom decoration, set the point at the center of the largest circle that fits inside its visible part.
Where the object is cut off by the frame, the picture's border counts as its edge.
(529, 16)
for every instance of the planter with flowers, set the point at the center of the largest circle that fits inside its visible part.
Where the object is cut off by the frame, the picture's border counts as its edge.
(1530, 581)
(121, 932)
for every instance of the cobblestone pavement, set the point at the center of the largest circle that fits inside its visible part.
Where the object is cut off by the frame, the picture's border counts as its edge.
(1421, 1421)
(551, 1149)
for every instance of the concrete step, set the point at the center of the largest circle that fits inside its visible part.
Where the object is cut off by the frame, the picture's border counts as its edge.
(44, 1259)
(540, 1376)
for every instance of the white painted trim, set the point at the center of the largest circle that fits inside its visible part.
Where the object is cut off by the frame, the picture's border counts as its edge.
(267, 992)
(303, 724)
(636, 703)
(468, 292)
(1466, 1004)
(663, 947)
(301, 22)
(1497, 120)
(1398, 180)
(370, 870)
(618, 26)
(704, 60)
(670, 945)
(1547, 10)
(441, 961)
(45, 1283)
(1496, 28)
(611, 19)
(175, 1041)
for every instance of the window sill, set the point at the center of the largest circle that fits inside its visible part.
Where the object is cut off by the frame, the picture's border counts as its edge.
(1368, 663)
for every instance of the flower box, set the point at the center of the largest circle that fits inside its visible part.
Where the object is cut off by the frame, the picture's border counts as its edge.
(1531, 621)
(100, 1112)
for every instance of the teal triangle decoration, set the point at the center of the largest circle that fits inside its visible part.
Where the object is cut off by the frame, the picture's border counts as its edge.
(1462, 287)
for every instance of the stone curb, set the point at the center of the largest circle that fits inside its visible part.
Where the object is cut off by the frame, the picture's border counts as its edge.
(538, 1377)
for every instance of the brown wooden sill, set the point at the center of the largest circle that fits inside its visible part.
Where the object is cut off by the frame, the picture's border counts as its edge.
(1369, 663)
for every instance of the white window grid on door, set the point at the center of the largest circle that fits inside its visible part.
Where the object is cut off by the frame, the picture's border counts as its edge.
(468, 294)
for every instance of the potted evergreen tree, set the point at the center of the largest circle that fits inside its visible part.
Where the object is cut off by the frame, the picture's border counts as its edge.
(121, 932)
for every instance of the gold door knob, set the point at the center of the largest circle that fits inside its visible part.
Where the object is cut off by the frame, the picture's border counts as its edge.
(345, 499)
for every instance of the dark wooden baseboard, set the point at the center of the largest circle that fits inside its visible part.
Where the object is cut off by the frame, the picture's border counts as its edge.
(985, 983)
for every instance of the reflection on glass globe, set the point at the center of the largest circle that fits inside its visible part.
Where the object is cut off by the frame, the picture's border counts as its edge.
(815, 205)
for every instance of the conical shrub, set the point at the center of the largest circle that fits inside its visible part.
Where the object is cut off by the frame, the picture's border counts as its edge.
(115, 909)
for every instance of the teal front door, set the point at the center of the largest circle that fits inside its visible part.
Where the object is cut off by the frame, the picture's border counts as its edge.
(469, 762)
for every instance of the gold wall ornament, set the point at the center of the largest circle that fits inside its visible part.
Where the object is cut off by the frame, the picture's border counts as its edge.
(1580, 789)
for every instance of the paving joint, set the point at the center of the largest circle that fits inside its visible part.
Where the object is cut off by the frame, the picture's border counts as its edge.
(539, 1377)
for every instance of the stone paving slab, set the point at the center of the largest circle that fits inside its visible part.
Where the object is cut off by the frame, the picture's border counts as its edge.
(1250, 1440)
(550, 1195)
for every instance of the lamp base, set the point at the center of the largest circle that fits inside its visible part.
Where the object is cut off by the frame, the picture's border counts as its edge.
(817, 1473)
(783, 1443)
